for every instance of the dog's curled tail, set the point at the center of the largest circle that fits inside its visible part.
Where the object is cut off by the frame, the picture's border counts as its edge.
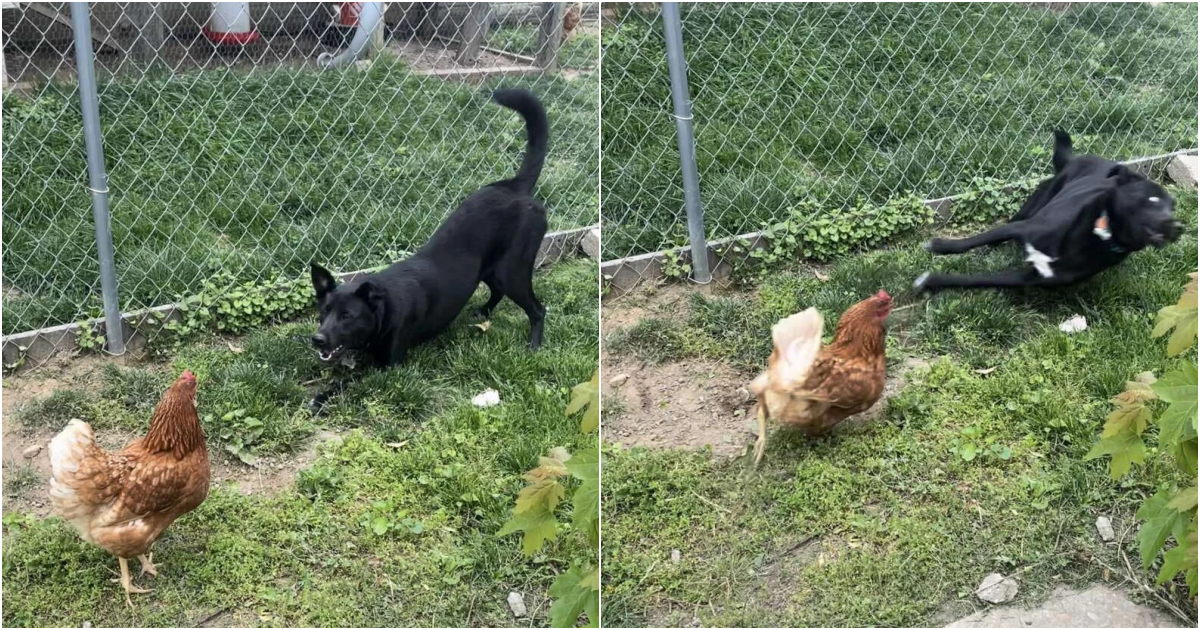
(1063, 150)
(537, 134)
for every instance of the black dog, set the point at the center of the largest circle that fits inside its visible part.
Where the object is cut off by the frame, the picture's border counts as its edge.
(492, 237)
(1088, 217)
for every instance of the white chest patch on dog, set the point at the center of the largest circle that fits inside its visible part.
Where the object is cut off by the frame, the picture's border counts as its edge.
(1040, 261)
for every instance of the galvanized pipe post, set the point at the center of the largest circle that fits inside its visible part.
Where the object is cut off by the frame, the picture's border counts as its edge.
(677, 67)
(98, 180)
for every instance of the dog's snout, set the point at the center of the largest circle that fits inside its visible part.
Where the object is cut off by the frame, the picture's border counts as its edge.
(1172, 230)
(318, 340)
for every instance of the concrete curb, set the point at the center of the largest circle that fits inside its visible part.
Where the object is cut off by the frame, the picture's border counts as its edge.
(622, 275)
(42, 344)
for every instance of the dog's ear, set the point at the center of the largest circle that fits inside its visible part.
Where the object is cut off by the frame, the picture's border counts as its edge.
(323, 281)
(371, 294)
(1123, 174)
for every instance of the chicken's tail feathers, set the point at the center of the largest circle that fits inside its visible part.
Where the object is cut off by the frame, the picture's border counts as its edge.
(797, 341)
(67, 450)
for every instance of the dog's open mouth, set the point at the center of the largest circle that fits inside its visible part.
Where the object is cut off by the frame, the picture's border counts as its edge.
(330, 355)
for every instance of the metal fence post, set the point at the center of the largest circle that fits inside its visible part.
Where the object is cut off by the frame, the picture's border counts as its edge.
(677, 67)
(98, 180)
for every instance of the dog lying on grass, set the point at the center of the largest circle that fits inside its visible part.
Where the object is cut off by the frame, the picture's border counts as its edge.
(1086, 218)
(493, 237)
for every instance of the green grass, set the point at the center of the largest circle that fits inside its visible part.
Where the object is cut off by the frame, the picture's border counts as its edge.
(901, 527)
(579, 51)
(307, 557)
(255, 175)
(840, 101)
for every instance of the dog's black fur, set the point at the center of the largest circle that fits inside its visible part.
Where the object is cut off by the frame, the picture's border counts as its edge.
(492, 237)
(1059, 222)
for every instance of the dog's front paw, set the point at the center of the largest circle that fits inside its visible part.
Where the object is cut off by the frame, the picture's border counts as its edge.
(316, 406)
(921, 284)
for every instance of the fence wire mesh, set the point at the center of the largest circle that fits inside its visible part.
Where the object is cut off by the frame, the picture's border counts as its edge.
(806, 109)
(242, 164)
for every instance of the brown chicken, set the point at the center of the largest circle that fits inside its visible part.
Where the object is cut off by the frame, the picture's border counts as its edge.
(811, 388)
(123, 501)
(571, 19)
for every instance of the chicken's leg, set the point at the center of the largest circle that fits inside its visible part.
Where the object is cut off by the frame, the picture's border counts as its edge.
(761, 445)
(127, 582)
(148, 565)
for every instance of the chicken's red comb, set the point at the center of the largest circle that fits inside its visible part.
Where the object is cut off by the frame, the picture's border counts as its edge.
(187, 375)
(883, 295)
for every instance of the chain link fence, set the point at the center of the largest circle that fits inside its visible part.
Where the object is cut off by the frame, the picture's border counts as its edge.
(809, 110)
(235, 156)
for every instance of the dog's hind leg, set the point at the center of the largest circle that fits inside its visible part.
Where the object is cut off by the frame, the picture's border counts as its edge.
(930, 282)
(517, 280)
(1006, 232)
(493, 285)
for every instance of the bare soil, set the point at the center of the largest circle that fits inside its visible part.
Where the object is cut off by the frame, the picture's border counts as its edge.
(26, 479)
(691, 404)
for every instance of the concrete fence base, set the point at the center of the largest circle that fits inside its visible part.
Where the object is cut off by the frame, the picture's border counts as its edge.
(38, 346)
(622, 275)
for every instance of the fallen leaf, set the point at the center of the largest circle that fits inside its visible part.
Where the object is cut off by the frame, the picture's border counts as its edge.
(820, 276)
(484, 326)
(234, 349)
(397, 444)
(986, 371)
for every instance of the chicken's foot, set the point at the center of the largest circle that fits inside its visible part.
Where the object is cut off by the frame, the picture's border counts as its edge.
(148, 565)
(760, 446)
(126, 581)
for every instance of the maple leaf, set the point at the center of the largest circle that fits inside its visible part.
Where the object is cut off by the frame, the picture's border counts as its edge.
(1160, 520)
(1180, 316)
(544, 492)
(537, 525)
(552, 466)
(1178, 423)
(586, 394)
(585, 466)
(1185, 455)
(1125, 448)
(576, 591)
(533, 515)
(1130, 417)
(1184, 500)
(1181, 559)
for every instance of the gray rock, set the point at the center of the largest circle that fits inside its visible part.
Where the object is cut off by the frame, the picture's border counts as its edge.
(997, 589)
(1183, 170)
(591, 244)
(32, 451)
(618, 380)
(1105, 528)
(516, 603)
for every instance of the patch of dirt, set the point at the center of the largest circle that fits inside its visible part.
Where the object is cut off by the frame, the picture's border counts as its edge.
(270, 475)
(690, 404)
(668, 301)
